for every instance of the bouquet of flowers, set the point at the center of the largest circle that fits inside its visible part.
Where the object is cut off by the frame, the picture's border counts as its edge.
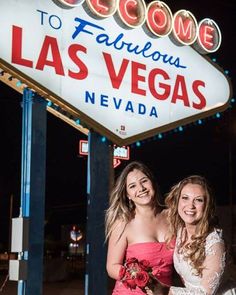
(138, 273)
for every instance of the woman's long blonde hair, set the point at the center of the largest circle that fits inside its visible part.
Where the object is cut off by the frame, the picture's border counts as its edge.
(195, 250)
(120, 207)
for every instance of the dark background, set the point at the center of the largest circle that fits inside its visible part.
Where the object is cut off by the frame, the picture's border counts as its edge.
(207, 149)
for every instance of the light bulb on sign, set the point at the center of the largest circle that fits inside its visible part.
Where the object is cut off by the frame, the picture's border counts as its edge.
(70, 3)
(103, 8)
(209, 36)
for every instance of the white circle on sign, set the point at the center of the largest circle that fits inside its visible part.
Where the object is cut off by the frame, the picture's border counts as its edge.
(70, 3)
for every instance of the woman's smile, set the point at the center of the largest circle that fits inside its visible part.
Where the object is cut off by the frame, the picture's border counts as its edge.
(139, 187)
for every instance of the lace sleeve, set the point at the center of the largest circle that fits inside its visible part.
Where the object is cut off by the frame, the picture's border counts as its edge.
(214, 265)
(186, 291)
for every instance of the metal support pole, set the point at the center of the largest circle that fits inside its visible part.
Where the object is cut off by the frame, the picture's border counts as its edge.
(100, 172)
(33, 188)
(231, 196)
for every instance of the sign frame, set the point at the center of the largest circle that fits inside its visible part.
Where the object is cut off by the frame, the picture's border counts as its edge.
(88, 121)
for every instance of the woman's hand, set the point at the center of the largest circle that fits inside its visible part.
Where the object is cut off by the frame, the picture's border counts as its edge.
(159, 290)
(149, 291)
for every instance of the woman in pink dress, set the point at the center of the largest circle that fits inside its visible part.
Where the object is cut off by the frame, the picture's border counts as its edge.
(137, 228)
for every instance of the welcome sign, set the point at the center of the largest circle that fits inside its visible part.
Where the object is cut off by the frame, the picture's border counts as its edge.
(122, 76)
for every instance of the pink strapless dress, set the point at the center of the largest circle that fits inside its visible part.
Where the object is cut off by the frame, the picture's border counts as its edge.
(158, 255)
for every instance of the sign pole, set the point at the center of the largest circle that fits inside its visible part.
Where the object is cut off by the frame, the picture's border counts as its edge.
(33, 188)
(100, 174)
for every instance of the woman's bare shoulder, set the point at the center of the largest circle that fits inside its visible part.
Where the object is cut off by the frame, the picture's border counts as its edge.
(119, 226)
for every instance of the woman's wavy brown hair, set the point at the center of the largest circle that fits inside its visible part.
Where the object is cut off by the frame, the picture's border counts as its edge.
(120, 207)
(195, 250)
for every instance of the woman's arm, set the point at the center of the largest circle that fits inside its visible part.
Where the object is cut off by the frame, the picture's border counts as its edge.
(214, 265)
(116, 249)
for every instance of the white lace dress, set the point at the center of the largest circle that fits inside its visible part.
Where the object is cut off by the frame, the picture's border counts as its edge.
(214, 265)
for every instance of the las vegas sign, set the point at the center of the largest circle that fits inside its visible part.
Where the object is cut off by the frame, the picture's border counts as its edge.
(127, 70)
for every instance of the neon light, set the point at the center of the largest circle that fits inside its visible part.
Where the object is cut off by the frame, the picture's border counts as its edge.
(209, 36)
(122, 153)
(102, 8)
(18, 84)
(119, 152)
(199, 122)
(159, 21)
(71, 3)
(185, 27)
(159, 18)
(132, 12)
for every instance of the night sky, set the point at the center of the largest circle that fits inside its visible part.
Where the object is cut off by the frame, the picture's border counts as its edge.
(207, 149)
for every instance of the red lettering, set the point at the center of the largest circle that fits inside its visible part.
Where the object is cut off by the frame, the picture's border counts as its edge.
(16, 55)
(185, 27)
(209, 36)
(102, 8)
(136, 78)
(83, 73)
(132, 12)
(50, 43)
(159, 19)
(180, 91)
(206, 36)
(151, 82)
(116, 79)
(202, 102)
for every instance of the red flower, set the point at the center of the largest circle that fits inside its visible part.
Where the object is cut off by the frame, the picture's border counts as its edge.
(130, 284)
(144, 264)
(137, 274)
(142, 279)
(131, 260)
(122, 272)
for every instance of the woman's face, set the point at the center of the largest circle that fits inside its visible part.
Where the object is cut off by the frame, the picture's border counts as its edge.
(139, 188)
(191, 203)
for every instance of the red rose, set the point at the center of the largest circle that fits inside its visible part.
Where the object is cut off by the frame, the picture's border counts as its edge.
(122, 272)
(130, 283)
(132, 264)
(142, 279)
(127, 275)
(131, 260)
(137, 273)
(128, 280)
(144, 264)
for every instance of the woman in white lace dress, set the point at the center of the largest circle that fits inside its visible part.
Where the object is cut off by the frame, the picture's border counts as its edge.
(199, 256)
